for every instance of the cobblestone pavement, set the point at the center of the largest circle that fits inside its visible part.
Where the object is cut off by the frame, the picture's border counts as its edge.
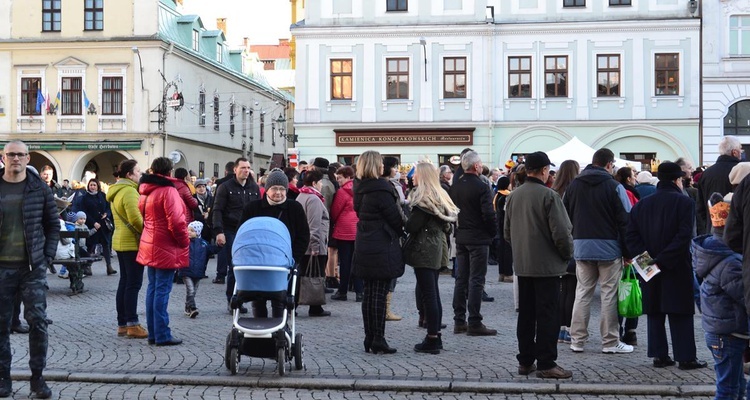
(84, 347)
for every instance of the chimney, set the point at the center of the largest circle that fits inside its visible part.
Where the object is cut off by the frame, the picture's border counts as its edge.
(246, 43)
(221, 24)
(178, 2)
(284, 42)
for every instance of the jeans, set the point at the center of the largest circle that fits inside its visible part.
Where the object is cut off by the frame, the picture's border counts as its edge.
(131, 281)
(230, 266)
(471, 262)
(568, 285)
(346, 254)
(157, 300)
(608, 274)
(429, 298)
(538, 324)
(727, 351)
(191, 288)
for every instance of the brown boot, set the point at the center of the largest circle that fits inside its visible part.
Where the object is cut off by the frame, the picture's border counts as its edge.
(110, 270)
(137, 332)
(122, 331)
(390, 315)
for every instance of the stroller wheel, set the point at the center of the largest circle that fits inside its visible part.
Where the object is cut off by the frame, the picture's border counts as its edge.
(299, 350)
(281, 359)
(234, 359)
(227, 351)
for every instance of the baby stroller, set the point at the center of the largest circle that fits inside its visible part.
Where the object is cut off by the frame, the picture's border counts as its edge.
(264, 270)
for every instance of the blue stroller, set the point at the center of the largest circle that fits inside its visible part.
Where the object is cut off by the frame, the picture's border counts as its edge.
(264, 270)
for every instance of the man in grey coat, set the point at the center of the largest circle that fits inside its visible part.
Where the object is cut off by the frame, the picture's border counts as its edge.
(539, 231)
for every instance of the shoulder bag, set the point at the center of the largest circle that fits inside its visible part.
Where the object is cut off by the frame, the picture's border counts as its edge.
(127, 224)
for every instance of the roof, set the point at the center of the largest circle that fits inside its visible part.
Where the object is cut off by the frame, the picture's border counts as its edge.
(271, 51)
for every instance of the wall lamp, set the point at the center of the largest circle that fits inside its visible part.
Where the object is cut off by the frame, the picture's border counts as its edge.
(693, 6)
(140, 62)
(423, 42)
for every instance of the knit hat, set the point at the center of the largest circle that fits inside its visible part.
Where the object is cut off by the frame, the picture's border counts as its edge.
(197, 227)
(719, 210)
(320, 162)
(80, 214)
(510, 164)
(277, 177)
(644, 177)
(71, 217)
(739, 172)
(199, 182)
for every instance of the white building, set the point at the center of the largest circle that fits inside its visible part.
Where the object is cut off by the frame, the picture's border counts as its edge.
(506, 77)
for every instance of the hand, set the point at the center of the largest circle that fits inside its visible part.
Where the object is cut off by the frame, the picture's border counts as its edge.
(628, 261)
(221, 240)
(97, 226)
(314, 253)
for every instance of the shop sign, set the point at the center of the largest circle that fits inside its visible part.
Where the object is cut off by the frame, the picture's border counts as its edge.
(103, 145)
(429, 137)
(40, 146)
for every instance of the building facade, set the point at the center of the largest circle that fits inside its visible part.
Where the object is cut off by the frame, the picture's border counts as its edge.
(505, 77)
(89, 84)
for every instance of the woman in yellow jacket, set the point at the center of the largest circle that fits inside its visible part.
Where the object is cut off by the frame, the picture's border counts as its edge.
(123, 196)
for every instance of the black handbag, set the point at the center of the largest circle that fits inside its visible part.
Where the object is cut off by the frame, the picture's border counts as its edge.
(312, 288)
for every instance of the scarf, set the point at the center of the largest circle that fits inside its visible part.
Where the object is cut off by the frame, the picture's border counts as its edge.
(92, 193)
(312, 190)
(275, 203)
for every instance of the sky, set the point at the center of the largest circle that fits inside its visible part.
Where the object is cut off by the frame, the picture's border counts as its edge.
(262, 21)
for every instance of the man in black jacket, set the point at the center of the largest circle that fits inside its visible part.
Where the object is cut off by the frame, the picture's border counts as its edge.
(221, 258)
(716, 177)
(476, 228)
(231, 198)
(29, 233)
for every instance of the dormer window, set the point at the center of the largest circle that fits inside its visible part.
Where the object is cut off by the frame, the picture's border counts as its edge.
(196, 40)
(219, 53)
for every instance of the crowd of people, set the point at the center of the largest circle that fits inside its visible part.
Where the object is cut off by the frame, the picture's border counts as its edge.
(554, 234)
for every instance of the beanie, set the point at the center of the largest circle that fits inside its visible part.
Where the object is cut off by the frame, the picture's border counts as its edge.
(71, 217)
(718, 209)
(277, 177)
(80, 214)
(197, 227)
(739, 172)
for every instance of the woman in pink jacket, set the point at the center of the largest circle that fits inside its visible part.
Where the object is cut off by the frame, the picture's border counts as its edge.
(344, 221)
(163, 247)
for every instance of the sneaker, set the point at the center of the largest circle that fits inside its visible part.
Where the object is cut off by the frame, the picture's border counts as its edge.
(480, 330)
(577, 348)
(63, 275)
(620, 348)
(557, 372)
(193, 313)
(561, 336)
(566, 338)
(39, 388)
(137, 332)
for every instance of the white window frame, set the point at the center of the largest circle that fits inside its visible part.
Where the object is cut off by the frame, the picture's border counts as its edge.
(739, 38)
(594, 72)
(30, 71)
(114, 71)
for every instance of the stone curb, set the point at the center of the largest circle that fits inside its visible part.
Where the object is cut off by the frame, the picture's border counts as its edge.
(369, 385)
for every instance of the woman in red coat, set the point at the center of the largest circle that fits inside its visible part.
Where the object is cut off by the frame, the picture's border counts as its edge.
(163, 248)
(344, 221)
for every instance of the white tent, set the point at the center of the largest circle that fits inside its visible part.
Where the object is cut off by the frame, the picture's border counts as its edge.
(579, 151)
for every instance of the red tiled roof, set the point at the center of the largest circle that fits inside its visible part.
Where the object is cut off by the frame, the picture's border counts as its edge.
(271, 51)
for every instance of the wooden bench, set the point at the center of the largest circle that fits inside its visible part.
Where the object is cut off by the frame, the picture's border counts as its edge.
(75, 264)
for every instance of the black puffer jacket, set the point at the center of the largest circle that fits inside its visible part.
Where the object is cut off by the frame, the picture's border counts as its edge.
(476, 220)
(231, 198)
(39, 216)
(377, 248)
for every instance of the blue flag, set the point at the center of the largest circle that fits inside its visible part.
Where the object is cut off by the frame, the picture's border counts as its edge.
(86, 101)
(39, 101)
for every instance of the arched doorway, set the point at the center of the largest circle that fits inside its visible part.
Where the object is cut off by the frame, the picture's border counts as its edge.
(102, 163)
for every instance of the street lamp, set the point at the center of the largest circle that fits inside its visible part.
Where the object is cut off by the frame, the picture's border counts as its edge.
(280, 126)
(140, 62)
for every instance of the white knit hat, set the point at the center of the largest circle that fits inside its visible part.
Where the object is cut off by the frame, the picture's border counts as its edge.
(197, 227)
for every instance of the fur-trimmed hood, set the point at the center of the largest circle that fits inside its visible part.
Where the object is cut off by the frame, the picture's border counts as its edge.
(442, 213)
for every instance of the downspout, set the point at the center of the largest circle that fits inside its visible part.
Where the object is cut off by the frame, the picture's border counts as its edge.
(490, 64)
(700, 89)
(163, 105)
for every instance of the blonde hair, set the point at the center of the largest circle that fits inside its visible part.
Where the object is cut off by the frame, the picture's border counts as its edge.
(428, 193)
(369, 164)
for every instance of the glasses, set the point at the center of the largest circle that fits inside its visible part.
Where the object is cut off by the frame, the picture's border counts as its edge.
(16, 155)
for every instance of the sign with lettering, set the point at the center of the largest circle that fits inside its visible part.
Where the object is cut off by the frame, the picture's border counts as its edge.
(40, 146)
(103, 145)
(424, 137)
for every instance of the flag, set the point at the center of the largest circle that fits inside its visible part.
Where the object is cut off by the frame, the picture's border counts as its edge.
(39, 101)
(46, 102)
(86, 101)
(57, 100)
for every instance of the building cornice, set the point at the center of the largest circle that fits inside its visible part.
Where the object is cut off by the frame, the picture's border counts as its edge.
(505, 124)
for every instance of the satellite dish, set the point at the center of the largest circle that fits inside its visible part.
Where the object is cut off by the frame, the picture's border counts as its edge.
(175, 157)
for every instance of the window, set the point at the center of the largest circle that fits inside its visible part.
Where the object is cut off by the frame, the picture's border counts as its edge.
(454, 77)
(231, 119)
(196, 40)
(219, 53)
(341, 79)
(397, 76)
(619, 2)
(556, 76)
(30, 91)
(262, 126)
(273, 133)
(644, 159)
(202, 108)
(397, 5)
(216, 112)
(93, 15)
(201, 169)
(216, 170)
(737, 120)
(72, 95)
(574, 3)
(667, 72)
(519, 76)
(608, 75)
(739, 35)
(51, 15)
(112, 95)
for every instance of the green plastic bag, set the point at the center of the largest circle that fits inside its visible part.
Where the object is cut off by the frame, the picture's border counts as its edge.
(629, 302)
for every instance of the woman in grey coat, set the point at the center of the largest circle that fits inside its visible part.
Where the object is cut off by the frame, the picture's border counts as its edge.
(316, 256)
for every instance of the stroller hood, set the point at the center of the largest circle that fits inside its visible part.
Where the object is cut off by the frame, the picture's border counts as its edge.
(263, 241)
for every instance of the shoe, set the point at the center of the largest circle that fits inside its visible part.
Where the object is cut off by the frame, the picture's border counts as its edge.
(20, 328)
(110, 270)
(122, 331)
(630, 338)
(137, 332)
(6, 388)
(359, 297)
(218, 280)
(323, 313)
(460, 328)
(557, 372)
(663, 362)
(339, 296)
(52, 269)
(491, 261)
(486, 297)
(561, 336)
(368, 343)
(151, 341)
(508, 279)
(577, 348)
(524, 370)
(694, 364)
(332, 283)
(380, 346)
(429, 345)
(327, 290)
(566, 338)
(39, 388)
(243, 310)
(170, 342)
(193, 313)
(64, 274)
(480, 330)
(444, 271)
(620, 348)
